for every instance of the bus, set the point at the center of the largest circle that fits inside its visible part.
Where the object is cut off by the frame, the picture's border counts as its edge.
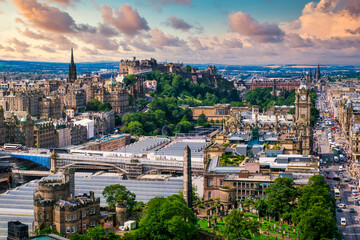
(12, 146)
(337, 193)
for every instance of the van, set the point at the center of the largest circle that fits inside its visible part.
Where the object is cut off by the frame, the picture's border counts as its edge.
(340, 169)
(343, 221)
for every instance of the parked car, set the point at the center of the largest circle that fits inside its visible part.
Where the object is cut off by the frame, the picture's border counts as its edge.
(343, 221)
(339, 209)
(336, 178)
(341, 205)
(352, 210)
(328, 177)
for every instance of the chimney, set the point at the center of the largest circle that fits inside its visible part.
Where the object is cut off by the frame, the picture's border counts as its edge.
(187, 185)
(92, 197)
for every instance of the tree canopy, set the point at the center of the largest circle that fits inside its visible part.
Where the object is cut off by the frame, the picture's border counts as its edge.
(281, 197)
(238, 225)
(168, 218)
(264, 99)
(119, 193)
(130, 80)
(96, 105)
(96, 233)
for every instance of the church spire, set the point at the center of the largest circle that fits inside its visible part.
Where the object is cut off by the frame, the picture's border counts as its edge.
(72, 68)
(72, 56)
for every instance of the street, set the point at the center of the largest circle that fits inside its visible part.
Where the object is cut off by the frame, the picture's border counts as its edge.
(327, 136)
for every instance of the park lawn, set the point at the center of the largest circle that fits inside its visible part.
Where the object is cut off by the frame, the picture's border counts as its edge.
(264, 227)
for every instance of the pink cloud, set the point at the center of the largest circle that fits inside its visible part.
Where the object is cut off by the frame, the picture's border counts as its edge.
(127, 20)
(195, 42)
(245, 25)
(19, 46)
(89, 51)
(159, 39)
(63, 3)
(45, 17)
(47, 49)
(34, 35)
(178, 23)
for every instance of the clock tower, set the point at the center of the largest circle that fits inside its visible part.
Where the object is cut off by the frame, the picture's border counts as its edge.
(302, 104)
(302, 125)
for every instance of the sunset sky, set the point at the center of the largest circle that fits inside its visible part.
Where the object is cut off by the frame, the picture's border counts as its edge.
(240, 32)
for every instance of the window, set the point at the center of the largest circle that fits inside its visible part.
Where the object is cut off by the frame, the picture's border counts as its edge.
(66, 218)
(73, 229)
(209, 194)
(84, 214)
(221, 182)
(84, 226)
(67, 229)
(209, 183)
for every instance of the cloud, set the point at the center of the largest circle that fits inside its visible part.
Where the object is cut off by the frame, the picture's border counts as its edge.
(47, 49)
(159, 39)
(160, 3)
(354, 32)
(19, 46)
(327, 19)
(178, 23)
(107, 31)
(63, 3)
(245, 25)
(127, 20)
(89, 51)
(62, 43)
(196, 44)
(141, 45)
(295, 41)
(33, 35)
(44, 17)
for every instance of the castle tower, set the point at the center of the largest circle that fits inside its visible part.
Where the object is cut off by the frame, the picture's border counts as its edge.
(187, 185)
(72, 69)
(121, 213)
(69, 177)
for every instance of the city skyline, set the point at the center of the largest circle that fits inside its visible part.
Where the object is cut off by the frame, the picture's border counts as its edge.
(194, 31)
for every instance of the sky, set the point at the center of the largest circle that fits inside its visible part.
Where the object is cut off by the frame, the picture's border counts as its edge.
(238, 32)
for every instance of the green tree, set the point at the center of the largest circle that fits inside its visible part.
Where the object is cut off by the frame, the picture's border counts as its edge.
(202, 120)
(130, 80)
(96, 233)
(135, 128)
(104, 107)
(238, 225)
(188, 68)
(168, 218)
(318, 223)
(195, 196)
(281, 197)
(119, 193)
(93, 105)
(141, 103)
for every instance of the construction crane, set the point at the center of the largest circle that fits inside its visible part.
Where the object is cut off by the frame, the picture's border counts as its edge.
(223, 70)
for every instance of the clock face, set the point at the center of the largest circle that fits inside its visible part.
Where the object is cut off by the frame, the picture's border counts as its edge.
(303, 97)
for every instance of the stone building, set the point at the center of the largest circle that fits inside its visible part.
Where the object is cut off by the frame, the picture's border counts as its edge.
(2, 127)
(278, 84)
(50, 108)
(62, 135)
(113, 93)
(55, 205)
(19, 128)
(20, 100)
(44, 134)
(78, 134)
(218, 112)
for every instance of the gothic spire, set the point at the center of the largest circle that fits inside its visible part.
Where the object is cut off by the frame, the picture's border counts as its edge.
(72, 56)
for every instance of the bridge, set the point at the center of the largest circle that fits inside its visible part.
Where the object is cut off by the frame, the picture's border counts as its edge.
(131, 167)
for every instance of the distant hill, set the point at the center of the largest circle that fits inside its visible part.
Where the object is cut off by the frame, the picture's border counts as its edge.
(62, 68)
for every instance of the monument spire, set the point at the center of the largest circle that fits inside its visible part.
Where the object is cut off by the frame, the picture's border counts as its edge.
(187, 184)
(72, 68)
